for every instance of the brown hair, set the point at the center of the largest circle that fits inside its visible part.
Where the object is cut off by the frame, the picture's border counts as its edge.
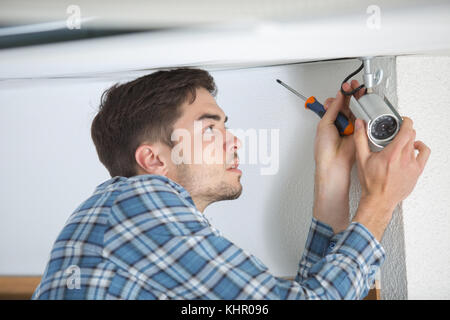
(142, 110)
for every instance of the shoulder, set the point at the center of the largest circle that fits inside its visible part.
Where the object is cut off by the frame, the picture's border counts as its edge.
(162, 191)
(156, 203)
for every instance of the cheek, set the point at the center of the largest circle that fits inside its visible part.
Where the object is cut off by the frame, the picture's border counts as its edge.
(213, 152)
(213, 170)
(210, 172)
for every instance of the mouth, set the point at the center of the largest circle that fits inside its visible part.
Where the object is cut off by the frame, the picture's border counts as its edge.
(234, 167)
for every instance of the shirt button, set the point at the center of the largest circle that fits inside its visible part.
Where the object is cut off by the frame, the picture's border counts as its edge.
(332, 245)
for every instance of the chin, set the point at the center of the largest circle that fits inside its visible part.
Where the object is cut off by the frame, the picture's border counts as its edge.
(237, 191)
(229, 191)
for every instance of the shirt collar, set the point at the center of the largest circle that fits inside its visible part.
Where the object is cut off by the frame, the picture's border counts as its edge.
(179, 188)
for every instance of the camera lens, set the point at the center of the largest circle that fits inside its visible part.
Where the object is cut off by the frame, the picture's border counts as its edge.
(383, 127)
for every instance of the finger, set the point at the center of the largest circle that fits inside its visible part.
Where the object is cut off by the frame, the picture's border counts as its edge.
(352, 117)
(327, 103)
(334, 108)
(361, 141)
(424, 154)
(346, 109)
(355, 84)
(346, 112)
(402, 137)
(408, 150)
(346, 86)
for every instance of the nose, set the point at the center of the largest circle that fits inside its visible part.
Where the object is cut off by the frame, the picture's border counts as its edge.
(232, 142)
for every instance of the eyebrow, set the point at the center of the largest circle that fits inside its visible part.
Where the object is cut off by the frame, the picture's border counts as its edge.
(212, 116)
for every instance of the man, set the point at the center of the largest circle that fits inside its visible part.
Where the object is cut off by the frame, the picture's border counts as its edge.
(143, 235)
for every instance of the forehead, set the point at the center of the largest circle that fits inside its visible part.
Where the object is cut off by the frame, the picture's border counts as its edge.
(204, 103)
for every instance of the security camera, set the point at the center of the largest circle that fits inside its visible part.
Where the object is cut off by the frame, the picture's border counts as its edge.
(383, 121)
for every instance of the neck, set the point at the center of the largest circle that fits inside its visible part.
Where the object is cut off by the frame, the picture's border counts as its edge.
(200, 204)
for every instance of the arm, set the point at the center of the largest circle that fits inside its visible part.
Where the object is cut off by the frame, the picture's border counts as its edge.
(319, 242)
(331, 197)
(387, 177)
(164, 245)
(334, 157)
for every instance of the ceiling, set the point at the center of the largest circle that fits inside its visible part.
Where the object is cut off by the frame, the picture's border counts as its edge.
(107, 38)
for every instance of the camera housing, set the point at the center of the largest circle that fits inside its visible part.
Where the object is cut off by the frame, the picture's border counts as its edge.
(383, 121)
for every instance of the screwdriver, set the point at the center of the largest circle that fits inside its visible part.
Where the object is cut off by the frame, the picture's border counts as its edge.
(344, 126)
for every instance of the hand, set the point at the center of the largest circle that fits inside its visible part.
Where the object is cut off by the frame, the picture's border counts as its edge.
(332, 150)
(334, 157)
(389, 176)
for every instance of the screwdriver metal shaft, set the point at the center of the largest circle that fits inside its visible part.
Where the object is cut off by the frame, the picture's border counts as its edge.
(292, 90)
(344, 126)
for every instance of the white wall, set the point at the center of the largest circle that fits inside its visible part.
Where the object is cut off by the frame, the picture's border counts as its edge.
(49, 164)
(424, 96)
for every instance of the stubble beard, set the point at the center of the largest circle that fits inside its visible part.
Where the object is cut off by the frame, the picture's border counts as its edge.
(206, 186)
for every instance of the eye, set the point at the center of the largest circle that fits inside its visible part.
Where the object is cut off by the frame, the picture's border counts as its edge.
(209, 129)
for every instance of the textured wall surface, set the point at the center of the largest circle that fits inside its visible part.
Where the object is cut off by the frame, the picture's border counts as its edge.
(424, 96)
(393, 272)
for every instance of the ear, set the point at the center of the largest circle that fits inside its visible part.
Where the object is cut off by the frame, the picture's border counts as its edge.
(150, 161)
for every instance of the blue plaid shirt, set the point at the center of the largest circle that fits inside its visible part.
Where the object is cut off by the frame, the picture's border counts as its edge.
(143, 238)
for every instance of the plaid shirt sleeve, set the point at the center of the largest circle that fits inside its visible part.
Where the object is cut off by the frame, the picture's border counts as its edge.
(355, 244)
(321, 239)
(157, 245)
(177, 254)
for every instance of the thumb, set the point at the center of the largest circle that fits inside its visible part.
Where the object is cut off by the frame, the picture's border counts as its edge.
(361, 141)
(333, 109)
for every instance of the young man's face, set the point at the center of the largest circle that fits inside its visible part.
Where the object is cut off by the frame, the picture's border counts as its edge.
(204, 152)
